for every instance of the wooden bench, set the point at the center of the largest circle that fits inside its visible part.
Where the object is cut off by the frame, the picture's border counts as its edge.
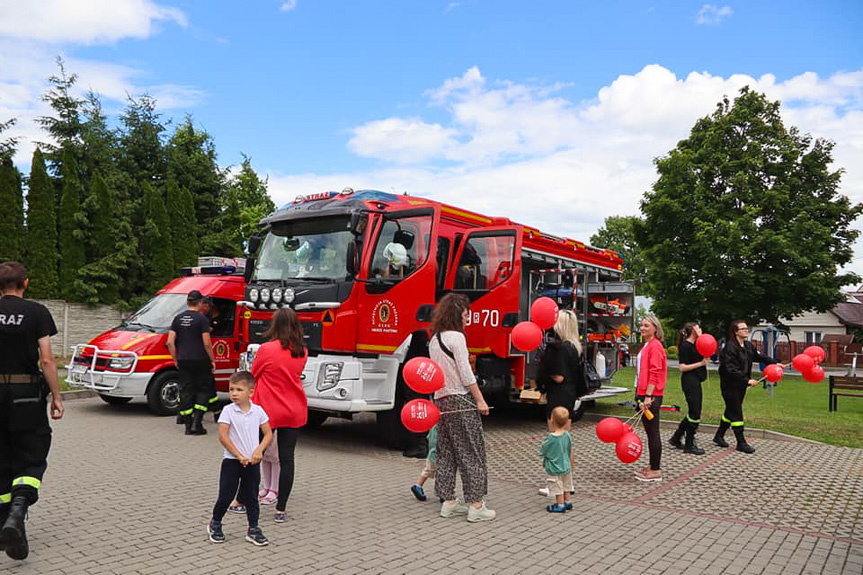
(844, 385)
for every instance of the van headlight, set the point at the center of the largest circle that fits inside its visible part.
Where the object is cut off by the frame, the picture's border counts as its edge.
(120, 362)
(265, 295)
(277, 295)
(328, 376)
(253, 295)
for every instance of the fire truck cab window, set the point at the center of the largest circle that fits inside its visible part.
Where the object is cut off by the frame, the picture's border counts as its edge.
(312, 249)
(401, 248)
(222, 312)
(485, 262)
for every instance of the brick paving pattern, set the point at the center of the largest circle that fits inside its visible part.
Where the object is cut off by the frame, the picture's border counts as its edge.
(127, 492)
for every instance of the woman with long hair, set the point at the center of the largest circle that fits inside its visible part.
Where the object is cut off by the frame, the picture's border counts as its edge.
(651, 371)
(277, 368)
(735, 377)
(693, 370)
(460, 442)
(559, 372)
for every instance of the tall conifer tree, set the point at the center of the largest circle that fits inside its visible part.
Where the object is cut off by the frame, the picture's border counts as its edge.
(12, 213)
(181, 210)
(41, 247)
(72, 236)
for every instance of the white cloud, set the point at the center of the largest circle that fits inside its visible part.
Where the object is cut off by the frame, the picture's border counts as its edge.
(524, 152)
(288, 6)
(451, 6)
(84, 21)
(710, 14)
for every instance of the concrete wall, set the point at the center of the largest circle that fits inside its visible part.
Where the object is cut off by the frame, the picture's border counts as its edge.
(78, 323)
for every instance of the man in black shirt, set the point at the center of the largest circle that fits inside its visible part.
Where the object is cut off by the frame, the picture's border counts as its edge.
(25, 436)
(211, 312)
(190, 346)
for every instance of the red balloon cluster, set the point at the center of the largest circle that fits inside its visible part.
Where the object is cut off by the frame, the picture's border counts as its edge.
(807, 363)
(423, 375)
(628, 445)
(420, 415)
(543, 312)
(773, 372)
(526, 336)
(706, 345)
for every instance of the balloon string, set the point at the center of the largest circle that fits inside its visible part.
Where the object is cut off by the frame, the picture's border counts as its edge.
(460, 410)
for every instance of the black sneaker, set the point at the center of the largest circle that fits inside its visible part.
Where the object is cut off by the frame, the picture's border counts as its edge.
(418, 492)
(693, 449)
(719, 441)
(214, 530)
(255, 537)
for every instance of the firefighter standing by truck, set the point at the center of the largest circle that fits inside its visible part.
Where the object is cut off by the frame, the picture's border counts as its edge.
(25, 436)
(192, 352)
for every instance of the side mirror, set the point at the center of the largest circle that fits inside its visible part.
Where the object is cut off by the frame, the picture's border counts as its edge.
(250, 269)
(358, 223)
(352, 259)
(254, 244)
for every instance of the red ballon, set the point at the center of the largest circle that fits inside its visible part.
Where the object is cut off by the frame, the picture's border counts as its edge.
(706, 345)
(420, 415)
(803, 362)
(526, 336)
(627, 429)
(814, 375)
(629, 448)
(423, 375)
(773, 372)
(609, 429)
(544, 312)
(816, 352)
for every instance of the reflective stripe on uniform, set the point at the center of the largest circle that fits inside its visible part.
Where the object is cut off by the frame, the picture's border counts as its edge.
(214, 399)
(736, 424)
(6, 498)
(200, 407)
(725, 419)
(28, 481)
(185, 412)
(693, 420)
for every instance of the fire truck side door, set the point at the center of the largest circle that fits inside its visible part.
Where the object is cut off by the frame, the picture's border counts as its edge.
(487, 270)
(223, 335)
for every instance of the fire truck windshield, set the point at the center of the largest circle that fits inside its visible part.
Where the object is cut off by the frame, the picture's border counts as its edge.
(312, 249)
(158, 313)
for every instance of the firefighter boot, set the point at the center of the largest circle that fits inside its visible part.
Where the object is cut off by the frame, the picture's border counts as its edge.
(689, 446)
(674, 440)
(741, 440)
(13, 535)
(181, 419)
(188, 423)
(197, 424)
(719, 438)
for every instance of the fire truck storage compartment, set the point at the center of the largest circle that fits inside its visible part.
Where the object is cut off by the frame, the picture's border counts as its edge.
(608, 323)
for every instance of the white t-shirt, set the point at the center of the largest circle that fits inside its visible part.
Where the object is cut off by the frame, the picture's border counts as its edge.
(244, 428)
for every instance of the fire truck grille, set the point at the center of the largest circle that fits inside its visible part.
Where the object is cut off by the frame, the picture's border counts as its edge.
(311, 333)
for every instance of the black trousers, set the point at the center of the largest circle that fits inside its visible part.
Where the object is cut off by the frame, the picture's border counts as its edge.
(558, 395)
(287, 437)
(196, 378)
(25, 439)
(233, 476)
(651, 428)
(693, 393)
(733, 396)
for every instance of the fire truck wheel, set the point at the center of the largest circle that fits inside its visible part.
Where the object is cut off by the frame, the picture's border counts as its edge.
(110, 399)
(316, 419)
(163, 396)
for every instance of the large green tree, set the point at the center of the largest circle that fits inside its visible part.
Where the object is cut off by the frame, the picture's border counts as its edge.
(41, 247)
(64, 126)
(72, 233)
(156, 249)
(8, 145)
(618, 233)
(746, 220)
(12, 213)
(184, 235)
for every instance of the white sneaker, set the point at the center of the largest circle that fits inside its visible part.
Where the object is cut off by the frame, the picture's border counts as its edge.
(482, 514)
(452, 509)
(543, 491)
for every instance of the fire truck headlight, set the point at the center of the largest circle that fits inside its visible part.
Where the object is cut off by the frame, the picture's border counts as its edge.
(277, 295)
(253, 295)
(328, 376)
(265, 295)
(288, 295)
(121, 362)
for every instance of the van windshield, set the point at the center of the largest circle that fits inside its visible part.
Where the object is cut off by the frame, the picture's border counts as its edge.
(157, 314)
(305, 249)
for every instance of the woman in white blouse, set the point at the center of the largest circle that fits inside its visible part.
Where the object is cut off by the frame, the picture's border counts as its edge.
(460, 442)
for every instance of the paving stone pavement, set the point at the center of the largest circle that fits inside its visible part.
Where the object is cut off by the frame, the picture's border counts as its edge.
(127, 492)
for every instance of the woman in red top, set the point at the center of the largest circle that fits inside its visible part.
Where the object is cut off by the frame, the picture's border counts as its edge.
(277, 368)
(651, 372)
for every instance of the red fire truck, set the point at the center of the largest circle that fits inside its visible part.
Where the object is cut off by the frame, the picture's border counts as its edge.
(364, 269)
(132, 361)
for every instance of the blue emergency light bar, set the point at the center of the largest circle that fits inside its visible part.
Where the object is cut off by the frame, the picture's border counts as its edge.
(208, 271)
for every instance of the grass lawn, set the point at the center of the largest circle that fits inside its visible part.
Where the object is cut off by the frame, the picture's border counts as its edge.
(796, 408)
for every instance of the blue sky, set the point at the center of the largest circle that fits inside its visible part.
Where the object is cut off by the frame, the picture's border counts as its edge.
(548, 112)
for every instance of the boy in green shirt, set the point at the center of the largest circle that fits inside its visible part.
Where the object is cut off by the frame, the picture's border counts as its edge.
(556, 452)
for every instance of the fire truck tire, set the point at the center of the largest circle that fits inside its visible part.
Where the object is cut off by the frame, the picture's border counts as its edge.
(111, 400)
(163, 395)
(316, 419)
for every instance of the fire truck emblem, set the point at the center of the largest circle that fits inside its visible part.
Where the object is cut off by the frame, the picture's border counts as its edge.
(221, 350)
(385, 317)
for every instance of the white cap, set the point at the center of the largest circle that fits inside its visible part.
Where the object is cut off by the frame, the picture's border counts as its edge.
(396, 254)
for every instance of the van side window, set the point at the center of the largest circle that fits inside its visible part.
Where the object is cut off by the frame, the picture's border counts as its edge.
(222, 314)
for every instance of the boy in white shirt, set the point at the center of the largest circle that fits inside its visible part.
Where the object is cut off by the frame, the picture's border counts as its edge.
(240, 425)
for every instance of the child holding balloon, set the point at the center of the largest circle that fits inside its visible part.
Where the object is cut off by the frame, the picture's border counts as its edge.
(556, 452)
